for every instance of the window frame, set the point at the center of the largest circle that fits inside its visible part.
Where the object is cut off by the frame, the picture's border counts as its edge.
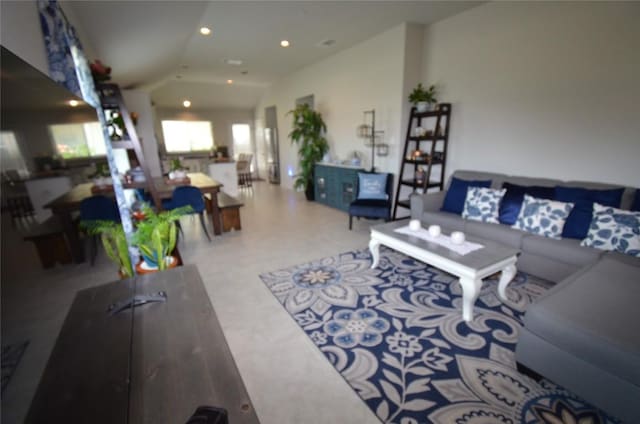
(191, 152)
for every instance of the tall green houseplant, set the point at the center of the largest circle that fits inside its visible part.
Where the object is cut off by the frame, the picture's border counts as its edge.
(308, 133)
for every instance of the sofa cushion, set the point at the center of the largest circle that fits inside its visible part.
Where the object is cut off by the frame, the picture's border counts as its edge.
(448, 221)
(635, 206)
(621, 257)
(577, 224)
(496, 232)
(482, 204)
(542, 216)
(614, 229)
(372, 186)
(564, 250)
(589, 315)
(457, 193)
(512, 200)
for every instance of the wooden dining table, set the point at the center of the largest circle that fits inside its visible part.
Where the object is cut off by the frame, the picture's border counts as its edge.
(64, 206)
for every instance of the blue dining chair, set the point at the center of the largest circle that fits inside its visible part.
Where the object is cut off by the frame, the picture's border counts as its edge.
(374, 197)
(98, 208)
(191, 196)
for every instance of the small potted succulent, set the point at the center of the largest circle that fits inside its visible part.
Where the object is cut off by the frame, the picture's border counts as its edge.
(423, 99)
(177, 171)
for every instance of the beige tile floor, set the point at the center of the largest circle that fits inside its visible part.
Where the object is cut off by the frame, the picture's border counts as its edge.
(287, 377)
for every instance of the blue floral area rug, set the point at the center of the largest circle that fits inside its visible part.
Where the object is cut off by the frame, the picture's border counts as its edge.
(11, 355)
(397, 336)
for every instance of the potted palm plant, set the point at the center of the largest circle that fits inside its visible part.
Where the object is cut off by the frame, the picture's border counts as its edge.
(423, 99)
(307, 133)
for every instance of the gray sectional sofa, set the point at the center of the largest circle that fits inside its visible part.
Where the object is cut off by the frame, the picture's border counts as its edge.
(583, 333)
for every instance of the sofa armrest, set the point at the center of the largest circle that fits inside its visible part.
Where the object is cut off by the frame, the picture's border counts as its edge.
(428, 202)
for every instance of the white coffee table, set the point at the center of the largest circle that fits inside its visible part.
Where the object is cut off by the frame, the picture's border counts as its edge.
(470, 268)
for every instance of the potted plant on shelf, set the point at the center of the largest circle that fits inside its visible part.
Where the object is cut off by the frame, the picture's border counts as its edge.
(423, 99)
(177, 171)
(102, 176)
(307, 133)
(156, 236)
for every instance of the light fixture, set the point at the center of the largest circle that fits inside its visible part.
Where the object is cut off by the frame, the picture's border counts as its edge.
(369, 133)
(186, 103)
(205, 31)
(229, 81)
(285, 43)
(73, 103)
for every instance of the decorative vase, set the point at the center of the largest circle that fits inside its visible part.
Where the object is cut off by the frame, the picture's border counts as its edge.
(422, 106)
(309, 191)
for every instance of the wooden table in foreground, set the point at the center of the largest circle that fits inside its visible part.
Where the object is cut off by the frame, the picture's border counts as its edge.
(470, 268)
(155, 363)
(65, 205)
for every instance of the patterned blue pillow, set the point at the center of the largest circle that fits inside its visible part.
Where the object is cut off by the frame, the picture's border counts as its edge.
(614, 229)
(543, 217)
(372, 186)
(579, 219)
(482, 204)
(457, 193)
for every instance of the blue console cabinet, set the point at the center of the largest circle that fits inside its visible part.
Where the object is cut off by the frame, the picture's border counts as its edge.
(335, 185)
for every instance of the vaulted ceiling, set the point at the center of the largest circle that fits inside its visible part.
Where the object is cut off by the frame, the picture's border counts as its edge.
(156, 45)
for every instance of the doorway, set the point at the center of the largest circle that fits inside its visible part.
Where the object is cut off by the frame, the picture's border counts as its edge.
(271, 144)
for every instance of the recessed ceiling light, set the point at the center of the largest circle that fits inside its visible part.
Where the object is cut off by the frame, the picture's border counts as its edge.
(205, 31)
(186, 103)
(73, 103)
(233, 62)
(229, 81)
(285, 43)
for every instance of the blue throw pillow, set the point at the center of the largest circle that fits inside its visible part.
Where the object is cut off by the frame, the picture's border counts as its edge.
(636, 202)
(512, 200)
(372, 186)
(577, 225)
(457, 193)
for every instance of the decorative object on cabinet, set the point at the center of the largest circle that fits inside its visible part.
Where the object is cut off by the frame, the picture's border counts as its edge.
(423, 153)
(423, 99)
(335, 185)
(369, 133)
(308, 129)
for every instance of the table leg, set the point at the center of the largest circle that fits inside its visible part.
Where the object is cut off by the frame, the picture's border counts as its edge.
(507, 275)
(215, 213)
(470, 292)
(71, 232)
(374, 247)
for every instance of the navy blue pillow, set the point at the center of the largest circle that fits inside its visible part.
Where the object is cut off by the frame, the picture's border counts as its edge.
(578, 221)
(636, 202)
(512, 200)
(457, 193)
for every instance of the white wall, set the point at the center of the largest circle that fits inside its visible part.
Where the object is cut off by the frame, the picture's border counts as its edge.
(367, 76)
(20, 32)
(548, 89)
(140, 102)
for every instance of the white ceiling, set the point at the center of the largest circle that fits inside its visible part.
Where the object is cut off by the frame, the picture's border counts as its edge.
(155, 45)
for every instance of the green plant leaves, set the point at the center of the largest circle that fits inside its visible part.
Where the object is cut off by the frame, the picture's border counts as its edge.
(308, 128)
